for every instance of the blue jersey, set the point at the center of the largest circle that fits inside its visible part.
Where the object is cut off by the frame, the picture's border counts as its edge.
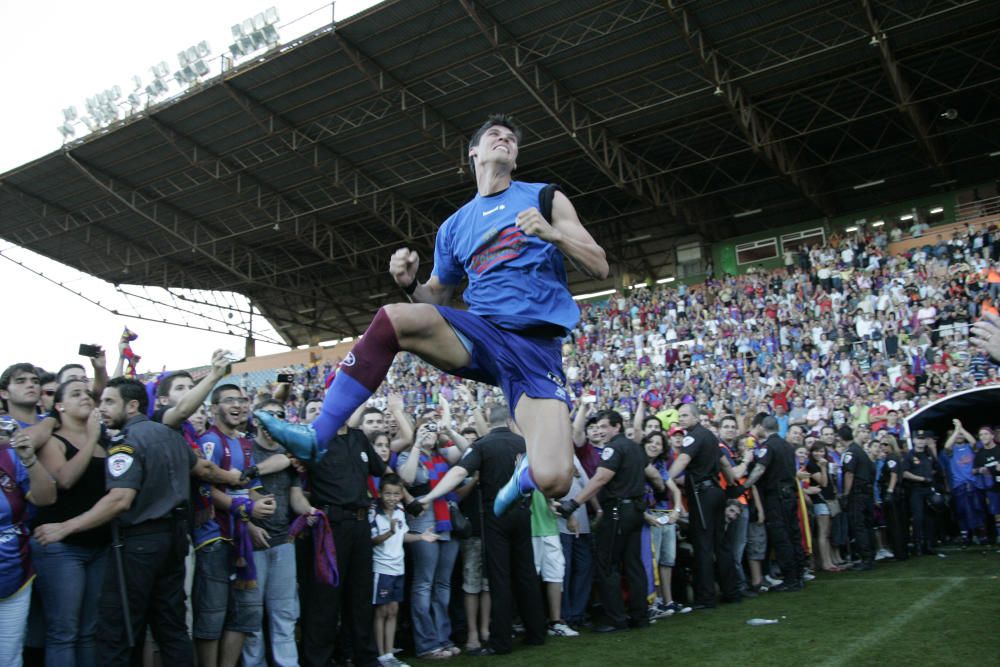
(515, 281)
(959, 463)
(15, 555)
(215, 447)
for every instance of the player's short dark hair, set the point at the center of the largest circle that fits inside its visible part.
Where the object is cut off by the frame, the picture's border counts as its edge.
(167, 383)
(14, 369)
(67, 367)
(217, 392)
(501, 119)
(131, 389)
(845, 433)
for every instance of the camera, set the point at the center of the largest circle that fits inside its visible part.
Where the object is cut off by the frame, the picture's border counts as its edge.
(286, 377)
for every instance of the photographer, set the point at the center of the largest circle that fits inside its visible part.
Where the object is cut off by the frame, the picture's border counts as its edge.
(421, 468)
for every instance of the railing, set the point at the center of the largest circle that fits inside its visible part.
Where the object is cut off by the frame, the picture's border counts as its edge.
(981, 208)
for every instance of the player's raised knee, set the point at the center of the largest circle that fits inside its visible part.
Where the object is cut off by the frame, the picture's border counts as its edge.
(408, 318)
(553, 482)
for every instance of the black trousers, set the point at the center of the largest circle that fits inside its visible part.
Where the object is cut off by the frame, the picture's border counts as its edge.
(784, 535)
(895, 523)
(321, 604)
(510, 568)
(617, 551)
(923, 523)
(861, 519)
(153, 564)
(713, 557)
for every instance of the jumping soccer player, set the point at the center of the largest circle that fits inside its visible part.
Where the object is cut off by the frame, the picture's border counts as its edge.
(519, 308)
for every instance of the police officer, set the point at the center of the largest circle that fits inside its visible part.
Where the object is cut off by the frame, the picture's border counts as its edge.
(148, 480)
(859, 493)
(919, 469)
(774, 474)
(700, 460)
(510, 563)
(338, 473)
(619, 483)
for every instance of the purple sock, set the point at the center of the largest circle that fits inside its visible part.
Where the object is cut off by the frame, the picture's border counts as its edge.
(526, 482)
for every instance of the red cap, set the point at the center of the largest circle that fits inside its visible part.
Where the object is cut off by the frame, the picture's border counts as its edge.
(674, 430)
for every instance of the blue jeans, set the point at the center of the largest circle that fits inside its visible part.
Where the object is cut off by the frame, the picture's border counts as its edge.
(69, 580)
(431, 592)
(276, 580)
(736, 534)
(14, 625)
(578, 577)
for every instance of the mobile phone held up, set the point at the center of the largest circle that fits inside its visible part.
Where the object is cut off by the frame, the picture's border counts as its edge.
(90, 350)
(286, 377)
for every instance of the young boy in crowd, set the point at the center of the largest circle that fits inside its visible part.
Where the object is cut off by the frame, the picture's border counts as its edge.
(389, 533)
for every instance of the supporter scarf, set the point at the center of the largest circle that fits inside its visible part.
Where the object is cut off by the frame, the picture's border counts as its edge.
(324, 551)
(246, 571)
(436, 467)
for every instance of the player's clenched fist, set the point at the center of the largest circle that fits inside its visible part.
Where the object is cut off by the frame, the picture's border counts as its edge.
(531, 222)
(403, 266)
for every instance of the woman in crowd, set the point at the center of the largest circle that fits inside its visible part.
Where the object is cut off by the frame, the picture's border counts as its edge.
(818, 468)
(421, 467)
(22, 480)
(661, 517)
(71, 572)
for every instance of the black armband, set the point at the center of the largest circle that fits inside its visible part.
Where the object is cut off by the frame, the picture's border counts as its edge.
(412, 287)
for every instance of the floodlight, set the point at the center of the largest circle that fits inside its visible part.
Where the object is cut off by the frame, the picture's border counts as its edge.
(182, 58)
(179, 77)
(258, 22)
(247, 26)
(202, 49)
(66, 130)
(69, 114)
(200, 68)
(192, 55)
(258, 40)
(115, 92)
(270, 34)
(236, 50)
(91, 124)
(161, 70)
(136, 82)
(271, 15)
(237, 31)
(135, 101)
(246, 44)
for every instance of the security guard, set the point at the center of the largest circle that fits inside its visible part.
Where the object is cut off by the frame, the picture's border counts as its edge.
(859, 493)
(619, 482)
(919, 469)
(148, 479)
(774, 474)
(510, 562)
(338, 473)
(699, 461)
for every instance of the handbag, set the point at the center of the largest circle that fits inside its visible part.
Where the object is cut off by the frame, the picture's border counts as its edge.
(461, 527)
(834, 506)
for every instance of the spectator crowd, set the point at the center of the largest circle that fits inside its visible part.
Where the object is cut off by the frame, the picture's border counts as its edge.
(302, 562)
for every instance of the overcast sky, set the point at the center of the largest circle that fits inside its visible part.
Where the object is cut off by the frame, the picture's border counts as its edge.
(57, 54)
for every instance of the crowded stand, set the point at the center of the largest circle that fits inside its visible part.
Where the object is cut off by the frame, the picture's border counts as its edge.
(384, 542)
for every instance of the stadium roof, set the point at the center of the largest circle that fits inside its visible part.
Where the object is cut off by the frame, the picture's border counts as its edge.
(292, 178)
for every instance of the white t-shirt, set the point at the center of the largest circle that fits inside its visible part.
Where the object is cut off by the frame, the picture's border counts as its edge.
(387, 558)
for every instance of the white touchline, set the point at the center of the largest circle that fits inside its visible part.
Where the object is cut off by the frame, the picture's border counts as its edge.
(896, 623)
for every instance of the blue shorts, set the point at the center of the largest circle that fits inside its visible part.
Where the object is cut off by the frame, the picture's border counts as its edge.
(388, 588)
(519, 365)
